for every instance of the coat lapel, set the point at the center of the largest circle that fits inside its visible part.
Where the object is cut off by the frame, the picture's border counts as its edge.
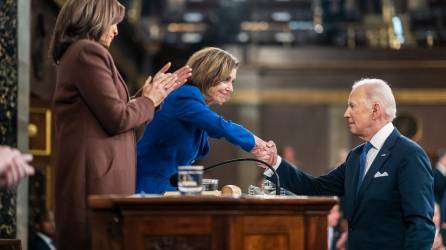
(351, 181)
(123, 83)
(377, 164)
(121, 80)
(381, 157)
(355, 173)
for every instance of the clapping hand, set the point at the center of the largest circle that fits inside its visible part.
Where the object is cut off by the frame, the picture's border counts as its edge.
(163, 83)
(181, 77)
(13, 166)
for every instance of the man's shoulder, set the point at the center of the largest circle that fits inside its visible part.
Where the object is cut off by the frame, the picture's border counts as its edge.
(36, 242)
(356, 151)
(408, 145)
(412, 153)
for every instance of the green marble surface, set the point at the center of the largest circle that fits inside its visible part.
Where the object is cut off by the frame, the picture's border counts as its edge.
(8, 105)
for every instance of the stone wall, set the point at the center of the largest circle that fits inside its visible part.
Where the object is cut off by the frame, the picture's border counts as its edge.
(8, 105)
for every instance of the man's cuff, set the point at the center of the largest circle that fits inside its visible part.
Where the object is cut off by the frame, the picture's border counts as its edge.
(268, 172)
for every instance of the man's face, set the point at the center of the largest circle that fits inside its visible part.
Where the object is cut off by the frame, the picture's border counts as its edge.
(359, 113)
(442, 159)
(47, 226)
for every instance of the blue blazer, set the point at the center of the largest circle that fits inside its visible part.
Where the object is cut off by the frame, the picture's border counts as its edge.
(388, 212)
(178, 135)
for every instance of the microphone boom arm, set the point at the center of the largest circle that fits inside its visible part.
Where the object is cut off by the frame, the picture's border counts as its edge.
(249, 159)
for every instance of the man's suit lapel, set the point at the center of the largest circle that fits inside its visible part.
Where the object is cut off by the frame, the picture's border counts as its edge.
(379, 161)
(350, 181)
(354, 179)
(382, 156)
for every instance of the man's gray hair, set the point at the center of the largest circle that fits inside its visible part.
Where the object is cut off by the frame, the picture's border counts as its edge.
(379, 90)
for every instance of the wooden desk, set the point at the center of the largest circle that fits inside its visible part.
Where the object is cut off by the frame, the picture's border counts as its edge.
(208, 222)
(10, 244)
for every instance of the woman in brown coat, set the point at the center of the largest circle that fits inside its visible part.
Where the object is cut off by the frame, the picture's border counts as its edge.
(94, 115)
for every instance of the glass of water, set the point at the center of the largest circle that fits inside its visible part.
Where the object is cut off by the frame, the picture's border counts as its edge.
(269, 187)
(190, 179)
(210, 184)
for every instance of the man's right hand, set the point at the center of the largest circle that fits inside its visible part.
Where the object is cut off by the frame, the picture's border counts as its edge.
(265, 151)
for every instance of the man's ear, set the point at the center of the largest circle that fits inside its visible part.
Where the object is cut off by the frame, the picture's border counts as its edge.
(376, 110)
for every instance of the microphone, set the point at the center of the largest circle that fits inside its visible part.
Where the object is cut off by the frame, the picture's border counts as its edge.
(174, 178)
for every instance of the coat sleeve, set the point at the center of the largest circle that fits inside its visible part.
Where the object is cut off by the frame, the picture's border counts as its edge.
(301, 183)
(415, 183)
(99, 91)
(192, 110)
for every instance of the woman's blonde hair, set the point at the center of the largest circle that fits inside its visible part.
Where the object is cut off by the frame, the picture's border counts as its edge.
(210, 66)
(83, 19)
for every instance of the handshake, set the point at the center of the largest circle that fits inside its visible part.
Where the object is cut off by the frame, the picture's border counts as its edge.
(265, 151)
(13, 166)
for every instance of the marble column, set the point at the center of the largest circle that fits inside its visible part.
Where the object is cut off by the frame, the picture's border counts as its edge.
(23, 97)
(14, 107)
(8, 106)
(249, 116)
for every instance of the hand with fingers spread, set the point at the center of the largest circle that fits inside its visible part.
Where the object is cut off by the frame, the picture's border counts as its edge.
(162, 71)
(159, 88)
(7, 154)
(182, 75)
(13, 166)
(164, 83)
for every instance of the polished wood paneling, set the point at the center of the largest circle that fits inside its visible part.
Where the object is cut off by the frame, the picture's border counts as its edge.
(316, 225)
(278, 232)
(208, 222)
(10, 244)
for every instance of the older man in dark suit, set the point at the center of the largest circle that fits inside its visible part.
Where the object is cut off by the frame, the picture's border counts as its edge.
(42, 237)
(387, 182)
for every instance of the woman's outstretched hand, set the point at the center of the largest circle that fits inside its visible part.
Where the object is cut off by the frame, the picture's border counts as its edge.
(265, 151)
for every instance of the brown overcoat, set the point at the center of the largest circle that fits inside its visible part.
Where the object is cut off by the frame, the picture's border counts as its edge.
(94, 137)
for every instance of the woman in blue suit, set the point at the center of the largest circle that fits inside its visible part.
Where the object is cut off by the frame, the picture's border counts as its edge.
(178, 135)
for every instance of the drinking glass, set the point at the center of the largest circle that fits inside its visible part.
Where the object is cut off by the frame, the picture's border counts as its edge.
(190, 179)
(210, 184)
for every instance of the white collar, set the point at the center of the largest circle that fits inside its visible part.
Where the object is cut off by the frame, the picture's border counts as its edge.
(47, 239)
(441, 168)
(381, 136)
